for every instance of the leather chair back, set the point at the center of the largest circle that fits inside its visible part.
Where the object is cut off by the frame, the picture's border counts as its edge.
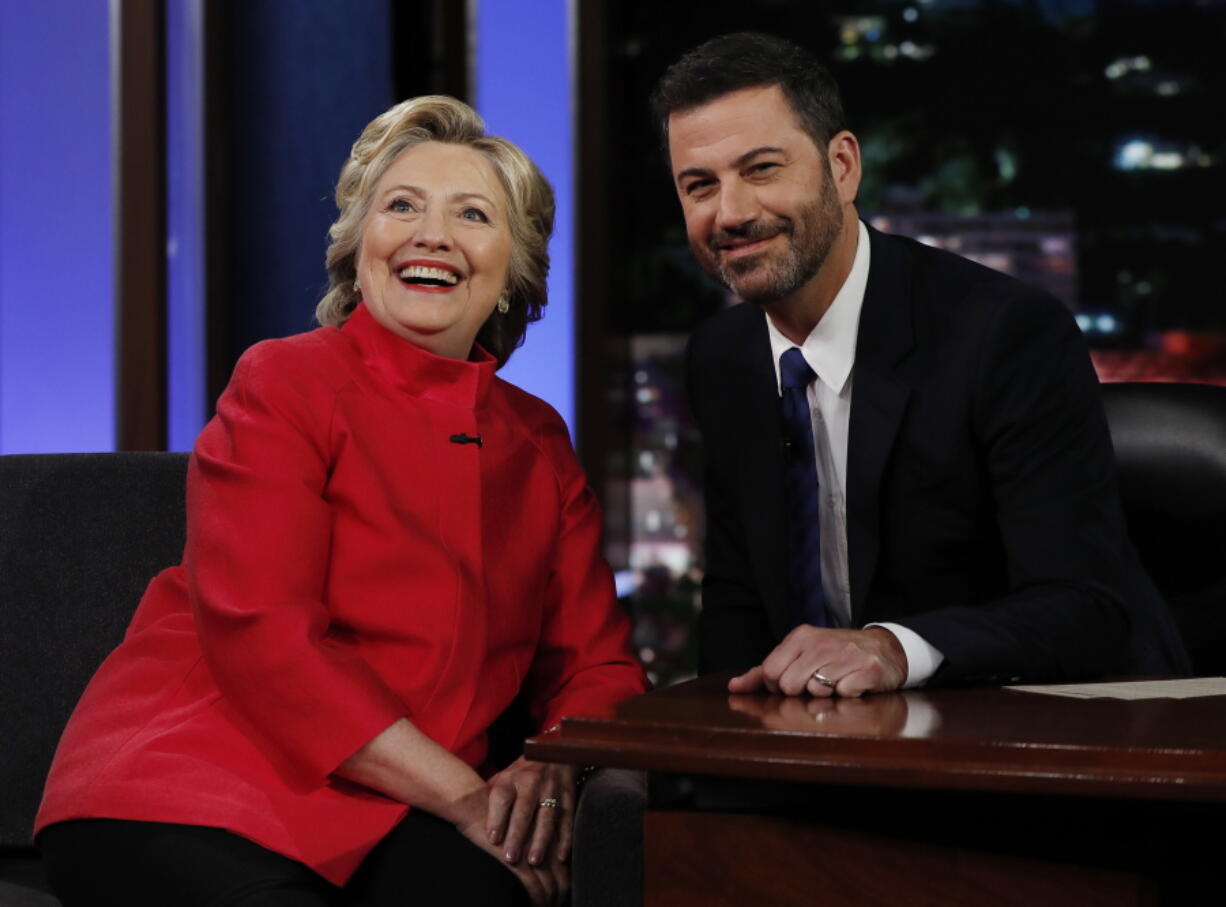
(81, 535)
(1170, 444)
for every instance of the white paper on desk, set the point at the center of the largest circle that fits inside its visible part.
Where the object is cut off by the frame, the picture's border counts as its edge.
(1134, 689)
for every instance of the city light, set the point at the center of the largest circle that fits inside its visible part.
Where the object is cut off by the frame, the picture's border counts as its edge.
(1124, 65)
(1103, 324)
(1150, 154)
(1134, 155)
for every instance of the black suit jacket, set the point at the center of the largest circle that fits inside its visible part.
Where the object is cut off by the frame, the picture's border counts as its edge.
(982, 509)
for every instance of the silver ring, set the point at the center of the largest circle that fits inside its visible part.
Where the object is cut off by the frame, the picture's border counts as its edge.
(549, 803)
(824, 680)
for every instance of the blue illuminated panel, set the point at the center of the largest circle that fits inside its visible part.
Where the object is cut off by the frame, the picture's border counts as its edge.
(523, 90)
(56, 333)
(185, 305)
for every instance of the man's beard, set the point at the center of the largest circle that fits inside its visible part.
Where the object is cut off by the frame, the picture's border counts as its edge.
(773, 275)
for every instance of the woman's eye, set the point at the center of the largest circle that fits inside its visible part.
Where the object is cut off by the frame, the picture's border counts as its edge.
(400, 205)
(474, 214)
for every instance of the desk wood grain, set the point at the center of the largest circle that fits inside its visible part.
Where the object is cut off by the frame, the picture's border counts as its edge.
(972, 739)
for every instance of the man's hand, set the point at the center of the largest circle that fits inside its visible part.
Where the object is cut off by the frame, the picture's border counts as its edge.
(858, 661)
(876, 716)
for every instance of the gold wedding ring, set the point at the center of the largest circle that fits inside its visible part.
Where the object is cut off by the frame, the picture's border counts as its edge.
(549, 803)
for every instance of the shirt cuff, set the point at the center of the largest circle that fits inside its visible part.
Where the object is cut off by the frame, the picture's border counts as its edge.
(923, 659)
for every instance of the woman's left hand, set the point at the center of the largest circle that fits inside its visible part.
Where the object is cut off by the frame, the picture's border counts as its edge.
(520, 815)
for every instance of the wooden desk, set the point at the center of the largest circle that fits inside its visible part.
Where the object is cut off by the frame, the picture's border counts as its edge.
(980, 796)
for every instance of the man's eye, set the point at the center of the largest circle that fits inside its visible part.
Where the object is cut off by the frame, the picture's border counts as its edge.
(698, 187)
(400, 205)
(763, 167)
(474, 214)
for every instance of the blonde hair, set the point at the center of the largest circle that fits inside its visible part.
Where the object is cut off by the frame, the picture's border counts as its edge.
(438, 118)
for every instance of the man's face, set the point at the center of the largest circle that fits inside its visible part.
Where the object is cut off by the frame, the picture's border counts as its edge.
(761, 207)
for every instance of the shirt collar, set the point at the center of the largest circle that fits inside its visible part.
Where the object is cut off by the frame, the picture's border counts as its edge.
(830, 348)
(458, 382)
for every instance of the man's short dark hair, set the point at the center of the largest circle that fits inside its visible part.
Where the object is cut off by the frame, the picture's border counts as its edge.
(750, 60)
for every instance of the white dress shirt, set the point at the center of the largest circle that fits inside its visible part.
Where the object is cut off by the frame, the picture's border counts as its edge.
(830, 350)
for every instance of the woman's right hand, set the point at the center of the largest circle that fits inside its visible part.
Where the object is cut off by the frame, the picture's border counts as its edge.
(548, 884)
(408, 766)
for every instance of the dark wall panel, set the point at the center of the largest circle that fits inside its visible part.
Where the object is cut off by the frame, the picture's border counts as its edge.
(292, 84)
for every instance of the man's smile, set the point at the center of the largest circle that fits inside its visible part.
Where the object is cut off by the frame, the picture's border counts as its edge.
(743, 248)
(748, 240)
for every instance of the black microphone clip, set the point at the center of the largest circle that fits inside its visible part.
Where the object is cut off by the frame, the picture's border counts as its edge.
(462, 438)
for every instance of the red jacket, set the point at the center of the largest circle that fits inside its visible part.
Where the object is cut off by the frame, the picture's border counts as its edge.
(348, 563)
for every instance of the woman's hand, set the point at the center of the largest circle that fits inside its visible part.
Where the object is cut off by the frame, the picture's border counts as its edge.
(520, 816)
(499, 816)
(548, 884)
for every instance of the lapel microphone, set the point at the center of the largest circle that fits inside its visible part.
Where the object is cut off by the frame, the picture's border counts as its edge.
(466, 439)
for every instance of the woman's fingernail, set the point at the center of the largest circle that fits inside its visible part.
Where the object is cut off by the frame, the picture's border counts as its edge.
(534, 858)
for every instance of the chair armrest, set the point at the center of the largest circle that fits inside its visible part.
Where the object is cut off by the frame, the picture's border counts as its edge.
(607, 858)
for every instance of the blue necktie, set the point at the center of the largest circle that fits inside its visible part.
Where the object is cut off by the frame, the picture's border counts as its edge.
(803, 494)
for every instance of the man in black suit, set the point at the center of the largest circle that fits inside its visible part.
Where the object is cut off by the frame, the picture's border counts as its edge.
(955, 518)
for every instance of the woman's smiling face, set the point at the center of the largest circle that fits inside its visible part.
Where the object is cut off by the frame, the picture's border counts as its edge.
(435, 247)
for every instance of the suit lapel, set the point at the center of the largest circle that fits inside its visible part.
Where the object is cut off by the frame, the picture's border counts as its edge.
(761, 472)
(879, 400)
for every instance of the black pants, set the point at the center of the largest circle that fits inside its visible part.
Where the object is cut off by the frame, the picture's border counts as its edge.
(424, 860)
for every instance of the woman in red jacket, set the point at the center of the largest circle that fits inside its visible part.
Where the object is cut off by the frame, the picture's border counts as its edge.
(386, 544)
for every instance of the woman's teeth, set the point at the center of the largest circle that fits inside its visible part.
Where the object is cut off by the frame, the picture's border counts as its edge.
(424, 274)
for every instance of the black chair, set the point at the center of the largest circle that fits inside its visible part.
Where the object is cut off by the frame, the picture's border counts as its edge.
(1170, 444)
(81, 535)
